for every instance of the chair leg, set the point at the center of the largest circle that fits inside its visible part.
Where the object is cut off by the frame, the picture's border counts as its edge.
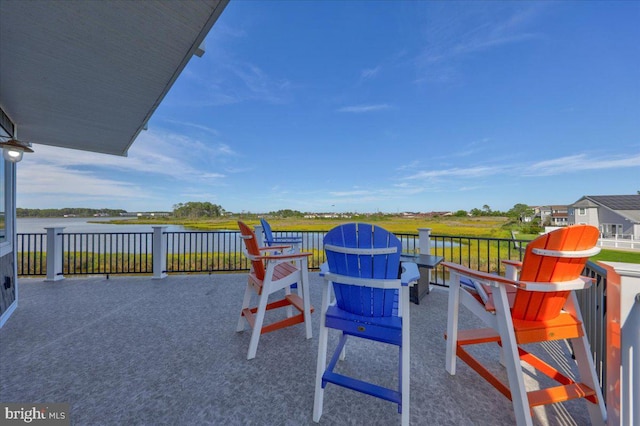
(318, 399)
(405, 358)
(245, 304)
(303, 286)
(452, 323)
(343, 353)
(586, 367)
(289, 309)
(257, 327)
(519, 398)
(332, 299)
(502, 357)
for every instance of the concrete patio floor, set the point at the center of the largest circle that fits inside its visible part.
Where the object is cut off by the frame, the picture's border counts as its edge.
(137, 351)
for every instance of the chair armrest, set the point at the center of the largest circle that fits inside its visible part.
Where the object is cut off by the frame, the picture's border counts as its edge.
(513, 268)
(410, 273)
(495, 280)
(285, 240)
(567, 253)
(515, 263)
(577, 284)
(284, 257)
(479, 275)
(273, 248)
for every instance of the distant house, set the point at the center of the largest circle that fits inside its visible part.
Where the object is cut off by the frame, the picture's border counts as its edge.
(614, 215)
(554, 215)
(535, 213)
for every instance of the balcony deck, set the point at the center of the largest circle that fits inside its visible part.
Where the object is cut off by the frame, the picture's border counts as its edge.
(132, 350)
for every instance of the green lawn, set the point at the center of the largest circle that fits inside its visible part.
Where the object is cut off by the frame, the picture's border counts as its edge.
(618, 256)
(490, 227)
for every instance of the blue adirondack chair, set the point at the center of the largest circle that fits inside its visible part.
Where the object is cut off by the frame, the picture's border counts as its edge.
(371, 302)
(270, 240)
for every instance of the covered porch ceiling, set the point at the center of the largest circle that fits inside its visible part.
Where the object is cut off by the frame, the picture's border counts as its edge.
(89, 75)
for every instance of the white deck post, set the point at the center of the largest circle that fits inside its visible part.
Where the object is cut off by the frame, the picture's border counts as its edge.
(424, 245)
(159, 247)
(424, 240)
(259, 235)
(54, 254)
(623, 343)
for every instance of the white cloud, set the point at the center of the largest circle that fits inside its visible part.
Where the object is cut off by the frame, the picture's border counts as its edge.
(193, 125)
(580, 162)
(156, 158)
(469, 188)
(57, 180)
(556, 166)
(467, 172)
(410, 166)
(228, 79)
(53, 186)
(349, 193)
(258, 84)
(477, 28)
(369, 73)
(364, 108)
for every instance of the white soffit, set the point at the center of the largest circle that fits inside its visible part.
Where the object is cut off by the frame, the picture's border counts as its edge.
(88, 75)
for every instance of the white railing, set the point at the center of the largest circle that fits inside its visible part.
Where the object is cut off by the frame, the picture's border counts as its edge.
(623, 343)
(619, 242)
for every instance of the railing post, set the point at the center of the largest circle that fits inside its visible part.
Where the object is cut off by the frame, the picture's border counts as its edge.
(424, 245)
(54, 254)
(623, 343)
(424, 240)
(159, 254)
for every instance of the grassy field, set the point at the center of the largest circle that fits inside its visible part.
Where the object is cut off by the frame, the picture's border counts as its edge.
(488, 227)
(473, 227)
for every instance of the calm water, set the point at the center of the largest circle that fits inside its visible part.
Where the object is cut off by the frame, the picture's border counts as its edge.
(222, 241)
(80, 224)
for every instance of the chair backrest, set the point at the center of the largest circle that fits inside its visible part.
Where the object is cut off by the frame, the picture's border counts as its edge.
(362, 261)
(251, 243)
(268, 235)
(539, 306)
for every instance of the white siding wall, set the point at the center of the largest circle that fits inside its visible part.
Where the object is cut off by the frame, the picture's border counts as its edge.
(590, 216)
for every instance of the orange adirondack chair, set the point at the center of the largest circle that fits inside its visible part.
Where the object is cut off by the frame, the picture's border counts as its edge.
(271, 273)
(536, 306)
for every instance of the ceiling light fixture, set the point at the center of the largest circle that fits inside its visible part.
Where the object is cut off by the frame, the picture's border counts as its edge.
(12, 149)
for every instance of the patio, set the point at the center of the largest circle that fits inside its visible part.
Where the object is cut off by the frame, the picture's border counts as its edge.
(132, 350)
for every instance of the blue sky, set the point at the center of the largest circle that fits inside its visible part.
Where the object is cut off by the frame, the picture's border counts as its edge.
(380, 106)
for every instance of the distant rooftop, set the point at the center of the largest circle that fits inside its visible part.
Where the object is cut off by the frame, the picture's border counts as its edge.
(617, 202)
(626, 205)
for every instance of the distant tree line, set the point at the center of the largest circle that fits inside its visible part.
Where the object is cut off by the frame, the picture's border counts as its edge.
(516, 215)
(197, 210)
(68, 211)
(205, 209)
(518, 211)
(286, 213)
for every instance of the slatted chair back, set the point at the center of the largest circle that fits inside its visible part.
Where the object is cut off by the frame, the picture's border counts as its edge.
(575, 241)
(251, 244)
(268, 234)
(364, 251)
